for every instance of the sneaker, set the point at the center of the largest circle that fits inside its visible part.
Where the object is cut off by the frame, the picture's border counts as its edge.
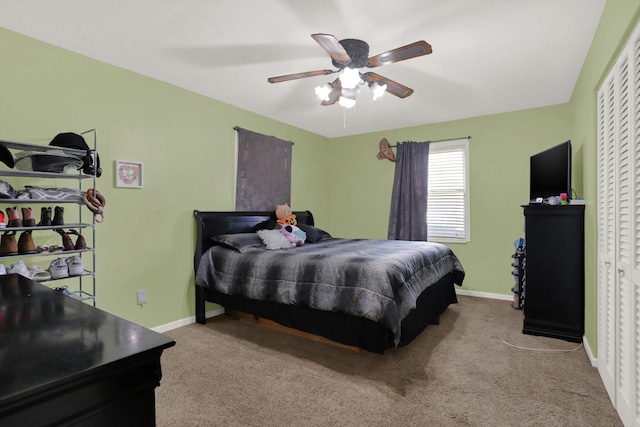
(74, 264)
(2, 223)
(58, 268)
(19, 268)
(3, 270)
(65, 291)
(38, 273)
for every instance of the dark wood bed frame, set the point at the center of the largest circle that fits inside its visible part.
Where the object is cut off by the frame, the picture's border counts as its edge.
(337, 327)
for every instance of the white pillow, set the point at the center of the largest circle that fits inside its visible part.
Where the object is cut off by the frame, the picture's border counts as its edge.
(274, 239)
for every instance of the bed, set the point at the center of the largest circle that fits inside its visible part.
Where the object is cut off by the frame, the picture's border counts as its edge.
(370, 294)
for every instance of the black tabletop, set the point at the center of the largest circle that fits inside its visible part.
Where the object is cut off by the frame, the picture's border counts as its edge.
(47, 337)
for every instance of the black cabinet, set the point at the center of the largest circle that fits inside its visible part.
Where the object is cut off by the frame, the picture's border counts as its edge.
(554, 273)
(65, 362)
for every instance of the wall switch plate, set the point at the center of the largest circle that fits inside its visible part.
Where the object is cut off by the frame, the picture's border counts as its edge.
(142, 297)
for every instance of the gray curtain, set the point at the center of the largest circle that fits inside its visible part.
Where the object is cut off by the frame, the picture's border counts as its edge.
(408, 216)
(264, 171)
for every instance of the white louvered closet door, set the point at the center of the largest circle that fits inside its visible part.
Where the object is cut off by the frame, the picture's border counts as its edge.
(619, 233)
(607, 317)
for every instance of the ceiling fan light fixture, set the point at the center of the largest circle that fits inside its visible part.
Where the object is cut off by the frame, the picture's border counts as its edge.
(323, 92)
(346, 102)
(378, 90)
(348, 97)
(350, 78)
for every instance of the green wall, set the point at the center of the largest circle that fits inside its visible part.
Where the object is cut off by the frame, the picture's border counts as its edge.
(186, 142)
(499, 151)
(618, 20)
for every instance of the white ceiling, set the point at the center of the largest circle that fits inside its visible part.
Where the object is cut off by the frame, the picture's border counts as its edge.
(489, 56)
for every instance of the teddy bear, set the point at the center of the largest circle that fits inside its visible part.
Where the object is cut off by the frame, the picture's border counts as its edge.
(284, 215)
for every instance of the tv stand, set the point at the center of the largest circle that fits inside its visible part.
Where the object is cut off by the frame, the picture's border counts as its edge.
(554, 271)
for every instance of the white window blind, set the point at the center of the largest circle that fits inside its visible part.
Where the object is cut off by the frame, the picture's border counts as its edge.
(448, 204)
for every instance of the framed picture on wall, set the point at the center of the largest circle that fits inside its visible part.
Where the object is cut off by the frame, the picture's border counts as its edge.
(128, 174)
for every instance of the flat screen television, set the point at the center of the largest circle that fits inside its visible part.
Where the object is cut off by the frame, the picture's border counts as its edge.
(550, 172)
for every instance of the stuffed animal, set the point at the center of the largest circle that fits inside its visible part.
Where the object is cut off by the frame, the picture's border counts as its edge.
(289, 231)
(284, 215)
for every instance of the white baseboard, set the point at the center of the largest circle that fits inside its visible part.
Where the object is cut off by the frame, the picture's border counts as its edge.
(484, 295)
(186, 321)
(587, 348)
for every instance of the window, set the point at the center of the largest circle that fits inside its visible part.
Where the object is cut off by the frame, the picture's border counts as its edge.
(448, 203)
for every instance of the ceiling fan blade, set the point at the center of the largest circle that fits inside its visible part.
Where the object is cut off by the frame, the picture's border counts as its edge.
(400, 54)
(295, 76)
(334, 95)
(394, 88)
(332, 46)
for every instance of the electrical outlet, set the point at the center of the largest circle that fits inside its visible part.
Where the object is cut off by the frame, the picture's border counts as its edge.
(142, 297)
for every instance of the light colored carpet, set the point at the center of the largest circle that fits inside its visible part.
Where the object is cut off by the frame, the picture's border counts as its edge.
(458, 373)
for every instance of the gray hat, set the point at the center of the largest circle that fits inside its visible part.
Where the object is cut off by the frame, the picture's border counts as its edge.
(56, 161)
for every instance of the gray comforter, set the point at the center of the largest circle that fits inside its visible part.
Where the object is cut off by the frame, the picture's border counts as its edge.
(376, 279)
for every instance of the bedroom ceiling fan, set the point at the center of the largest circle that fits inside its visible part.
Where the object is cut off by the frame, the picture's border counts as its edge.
(348, 56)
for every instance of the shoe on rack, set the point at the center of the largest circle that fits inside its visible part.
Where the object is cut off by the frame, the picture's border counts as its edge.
(58, 216)
(58, 268)
(3, 270)
(2, 223)
(74, 264)
(65, 291)
(27, 218)
(81, 244)
(66, 240)
(25, 243)
(38, 273)
(14, 217)
(45, 217)
(19, 268)
(8, 245)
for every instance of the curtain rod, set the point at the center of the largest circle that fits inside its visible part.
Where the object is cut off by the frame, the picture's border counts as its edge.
(237, 128)
(441, 140)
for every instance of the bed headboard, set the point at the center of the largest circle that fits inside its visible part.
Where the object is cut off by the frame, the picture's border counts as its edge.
(209, 224)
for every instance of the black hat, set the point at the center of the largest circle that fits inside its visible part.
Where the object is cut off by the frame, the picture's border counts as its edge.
(6, 157)
(73, 140)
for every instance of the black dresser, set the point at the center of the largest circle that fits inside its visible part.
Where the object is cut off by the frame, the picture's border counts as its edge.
(554, 271)
(64, 362)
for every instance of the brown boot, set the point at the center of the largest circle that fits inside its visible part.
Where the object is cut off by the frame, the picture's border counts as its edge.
(66, 241)
(25, 244)
(14, 217)
(8, 245)
(27, 218)
(81, 244)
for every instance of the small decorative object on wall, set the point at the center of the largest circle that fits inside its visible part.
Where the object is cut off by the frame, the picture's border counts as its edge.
(128, 174)
(385, 150)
